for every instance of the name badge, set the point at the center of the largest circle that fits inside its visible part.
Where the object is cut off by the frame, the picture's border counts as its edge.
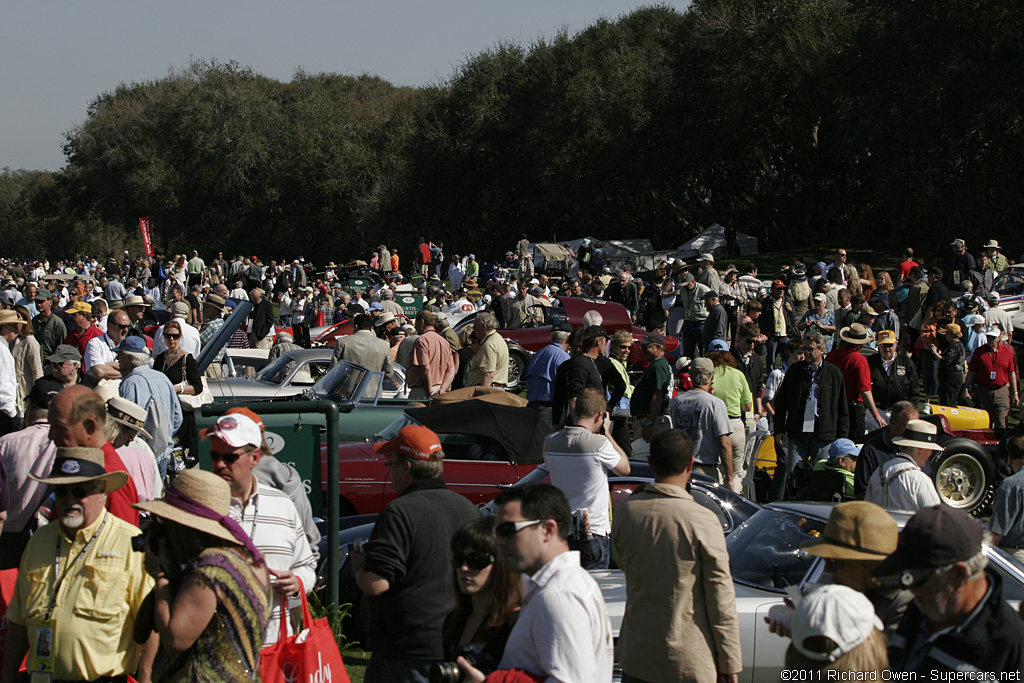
(992, 375)
(901, 371)
(40, 661)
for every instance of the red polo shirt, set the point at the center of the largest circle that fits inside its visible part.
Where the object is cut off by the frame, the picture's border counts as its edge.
(854, 366)
(120, 501)
(80, 339)
(984, 363)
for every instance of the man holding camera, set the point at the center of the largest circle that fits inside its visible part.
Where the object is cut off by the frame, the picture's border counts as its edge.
(81, 585)
(577, 458)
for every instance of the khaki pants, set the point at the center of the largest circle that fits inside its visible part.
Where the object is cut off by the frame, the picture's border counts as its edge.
(708, 470)
(995, 401)
(214, 370)
(739, 443)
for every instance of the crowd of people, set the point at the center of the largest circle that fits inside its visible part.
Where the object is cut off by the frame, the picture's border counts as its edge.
(97, 400)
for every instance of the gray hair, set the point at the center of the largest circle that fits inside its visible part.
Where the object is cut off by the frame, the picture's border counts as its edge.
(559, 336)
(592, 318)
(817, 338)
(387, 294)
(487, 320)
(137, 359)
(284, 337)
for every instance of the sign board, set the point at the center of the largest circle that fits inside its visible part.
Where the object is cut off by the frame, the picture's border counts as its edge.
(411, 304)
(358, 283)
(146, 225)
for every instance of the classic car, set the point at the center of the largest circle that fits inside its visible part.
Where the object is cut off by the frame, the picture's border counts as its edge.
(487, 446)
(291, 374)
(765, 556)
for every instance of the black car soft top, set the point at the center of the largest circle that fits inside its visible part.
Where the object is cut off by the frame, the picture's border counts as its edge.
(520, 431)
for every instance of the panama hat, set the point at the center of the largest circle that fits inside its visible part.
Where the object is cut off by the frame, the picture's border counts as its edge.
(79, 466)
(856, 530)
(919, 434)
(201, 500)
(123, 411)
(136, 300)
(855, 334)
(992, 244)
(215, 301)
(10, 318)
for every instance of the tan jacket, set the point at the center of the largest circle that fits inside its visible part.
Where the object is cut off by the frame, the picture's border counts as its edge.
(680, 622)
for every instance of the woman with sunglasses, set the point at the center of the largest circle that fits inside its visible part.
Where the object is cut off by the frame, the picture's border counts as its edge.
(180, 367)
(488, 595)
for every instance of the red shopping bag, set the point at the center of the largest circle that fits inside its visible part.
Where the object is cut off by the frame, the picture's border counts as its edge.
(315, 659)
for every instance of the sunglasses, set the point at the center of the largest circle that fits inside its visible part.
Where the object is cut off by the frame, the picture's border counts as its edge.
(77, 492)
(506, 529)
(226, 458)
(120, 326)
(473, 560)
(624, 346)
(171, 336)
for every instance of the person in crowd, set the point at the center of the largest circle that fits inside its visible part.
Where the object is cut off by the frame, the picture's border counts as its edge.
(690, 298)
(432, 368)
(189, 340)
(835, 631)
(145, 386)
(996, 315)
(283, 343)
(583, 371)
(265, 513)
(705, 420)
(940, 314)
(10, 416)
(680, 621)
(406, 570)
(856, 378)
(731, 386)
(650, 395)
(489, 367)
(811, 412)
(794, 354)
(821, 320)
(950, 365)
(623, 291)
(82, 646)
(64, 366)
(620, 387)
(28, 360)
(364, 348)
(83, 326)
(1007, 524)
(832, 477)
(962, 265)
(213, 595)
(578, 458)
(974, 328)
(707, 275)
(959, 619)
(563, 632)
(540, 374)
(778, 320)
(992, 376)
(396, 336)
(261, 319)
(488, 595)
(893, 374)
(135, 306)
(751, 365)
(99, 359)
(900, 483)
(716, 326)
(26, 455)
(879, 448)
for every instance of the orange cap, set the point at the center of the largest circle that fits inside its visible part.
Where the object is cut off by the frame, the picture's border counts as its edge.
(414, 441)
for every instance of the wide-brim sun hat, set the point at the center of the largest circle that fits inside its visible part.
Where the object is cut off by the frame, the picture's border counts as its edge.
(856, 530)
(77, 465)
(919, 434)
(129, 414)
(855, 334)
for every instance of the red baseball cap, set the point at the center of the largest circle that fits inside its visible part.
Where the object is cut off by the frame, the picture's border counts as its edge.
(248, 412)
(413, 441)
(778, 284)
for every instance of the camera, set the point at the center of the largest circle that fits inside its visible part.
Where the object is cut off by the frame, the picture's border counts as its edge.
(450, 672)
(358, 545)
(152, 534)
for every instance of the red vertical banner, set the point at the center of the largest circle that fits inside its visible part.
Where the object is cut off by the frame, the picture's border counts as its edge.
(147, 235)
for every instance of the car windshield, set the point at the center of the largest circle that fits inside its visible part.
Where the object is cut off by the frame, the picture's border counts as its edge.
(1010, 283)
(277, 371)
(391, 431)
(765, 550)
(343, 380)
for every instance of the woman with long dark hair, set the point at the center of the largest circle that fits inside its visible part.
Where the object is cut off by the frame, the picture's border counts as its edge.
(488, 595)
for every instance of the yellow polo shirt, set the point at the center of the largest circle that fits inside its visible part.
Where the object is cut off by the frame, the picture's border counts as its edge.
(97, 603)
(491, 357)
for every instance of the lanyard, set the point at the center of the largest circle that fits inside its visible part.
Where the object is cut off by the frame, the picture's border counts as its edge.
(255, 515)
(71, 563)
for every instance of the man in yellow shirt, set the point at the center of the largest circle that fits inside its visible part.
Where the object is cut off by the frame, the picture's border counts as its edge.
(489, 367)
(80, 585)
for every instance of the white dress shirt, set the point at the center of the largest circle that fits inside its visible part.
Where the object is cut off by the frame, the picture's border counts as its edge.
(901, 485)
(98, 351)
(8, 382)
(563, 630)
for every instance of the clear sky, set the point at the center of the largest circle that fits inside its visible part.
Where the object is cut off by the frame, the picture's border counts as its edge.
(57, 55)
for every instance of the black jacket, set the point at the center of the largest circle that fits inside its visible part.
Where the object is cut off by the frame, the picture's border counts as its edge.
(262, 318)
(899, 384)
(627, 296)
(833, 411)
(767, 317)
(753, 369)
(993, 641)
(409, 547)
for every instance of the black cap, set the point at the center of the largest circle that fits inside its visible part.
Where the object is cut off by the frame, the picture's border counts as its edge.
(935, 537)
(653, 338)
(562, 327)
(43, 392)
(593, 332)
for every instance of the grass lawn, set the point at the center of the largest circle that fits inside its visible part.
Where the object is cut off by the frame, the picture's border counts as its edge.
(355, 663)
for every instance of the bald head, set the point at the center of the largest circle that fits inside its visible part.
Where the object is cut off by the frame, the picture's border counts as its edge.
(77, 416)
(902, 413)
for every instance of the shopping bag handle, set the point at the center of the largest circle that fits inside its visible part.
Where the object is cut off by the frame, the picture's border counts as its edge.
(307, 616)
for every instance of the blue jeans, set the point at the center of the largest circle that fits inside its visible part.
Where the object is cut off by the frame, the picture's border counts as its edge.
(776, 346)
(595, 553)
(693, 335)
(383, 669)
(808, 447)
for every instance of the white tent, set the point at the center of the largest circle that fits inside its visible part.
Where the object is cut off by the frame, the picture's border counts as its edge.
(617, 253)
(712, 241)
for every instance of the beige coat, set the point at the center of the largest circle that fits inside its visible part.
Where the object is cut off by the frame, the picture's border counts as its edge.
(680, 622)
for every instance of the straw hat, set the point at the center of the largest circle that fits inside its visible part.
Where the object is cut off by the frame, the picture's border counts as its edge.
(136, 301)
(856, 530)
(855, 334)
(123, 411)
(205, 488)
(81, 465)
(919, 434)
(215, 301)
(10, 318)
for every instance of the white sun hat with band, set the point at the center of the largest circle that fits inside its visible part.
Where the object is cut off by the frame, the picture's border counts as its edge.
(919, 434)
(80, 466)
(123, 411)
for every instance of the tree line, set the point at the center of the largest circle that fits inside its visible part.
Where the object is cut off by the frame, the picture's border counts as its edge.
(900, 123)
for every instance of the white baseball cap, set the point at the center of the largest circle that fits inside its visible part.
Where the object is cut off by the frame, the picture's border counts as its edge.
(842, 615)
(993, 331)
(235, 430)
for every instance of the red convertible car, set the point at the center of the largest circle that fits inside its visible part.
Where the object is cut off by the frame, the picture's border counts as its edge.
(488, 446)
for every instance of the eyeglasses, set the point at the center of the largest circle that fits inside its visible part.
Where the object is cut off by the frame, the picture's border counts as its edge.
(168, 335)
(226, 458)
(120, 326)
(473, 560)
(77, 492)
(624, 346)
(506, 529)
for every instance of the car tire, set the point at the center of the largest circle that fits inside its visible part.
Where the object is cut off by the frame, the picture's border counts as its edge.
(964, 476)
(517, 364)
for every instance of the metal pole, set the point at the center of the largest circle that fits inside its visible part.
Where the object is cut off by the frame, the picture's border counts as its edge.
(329, 410)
